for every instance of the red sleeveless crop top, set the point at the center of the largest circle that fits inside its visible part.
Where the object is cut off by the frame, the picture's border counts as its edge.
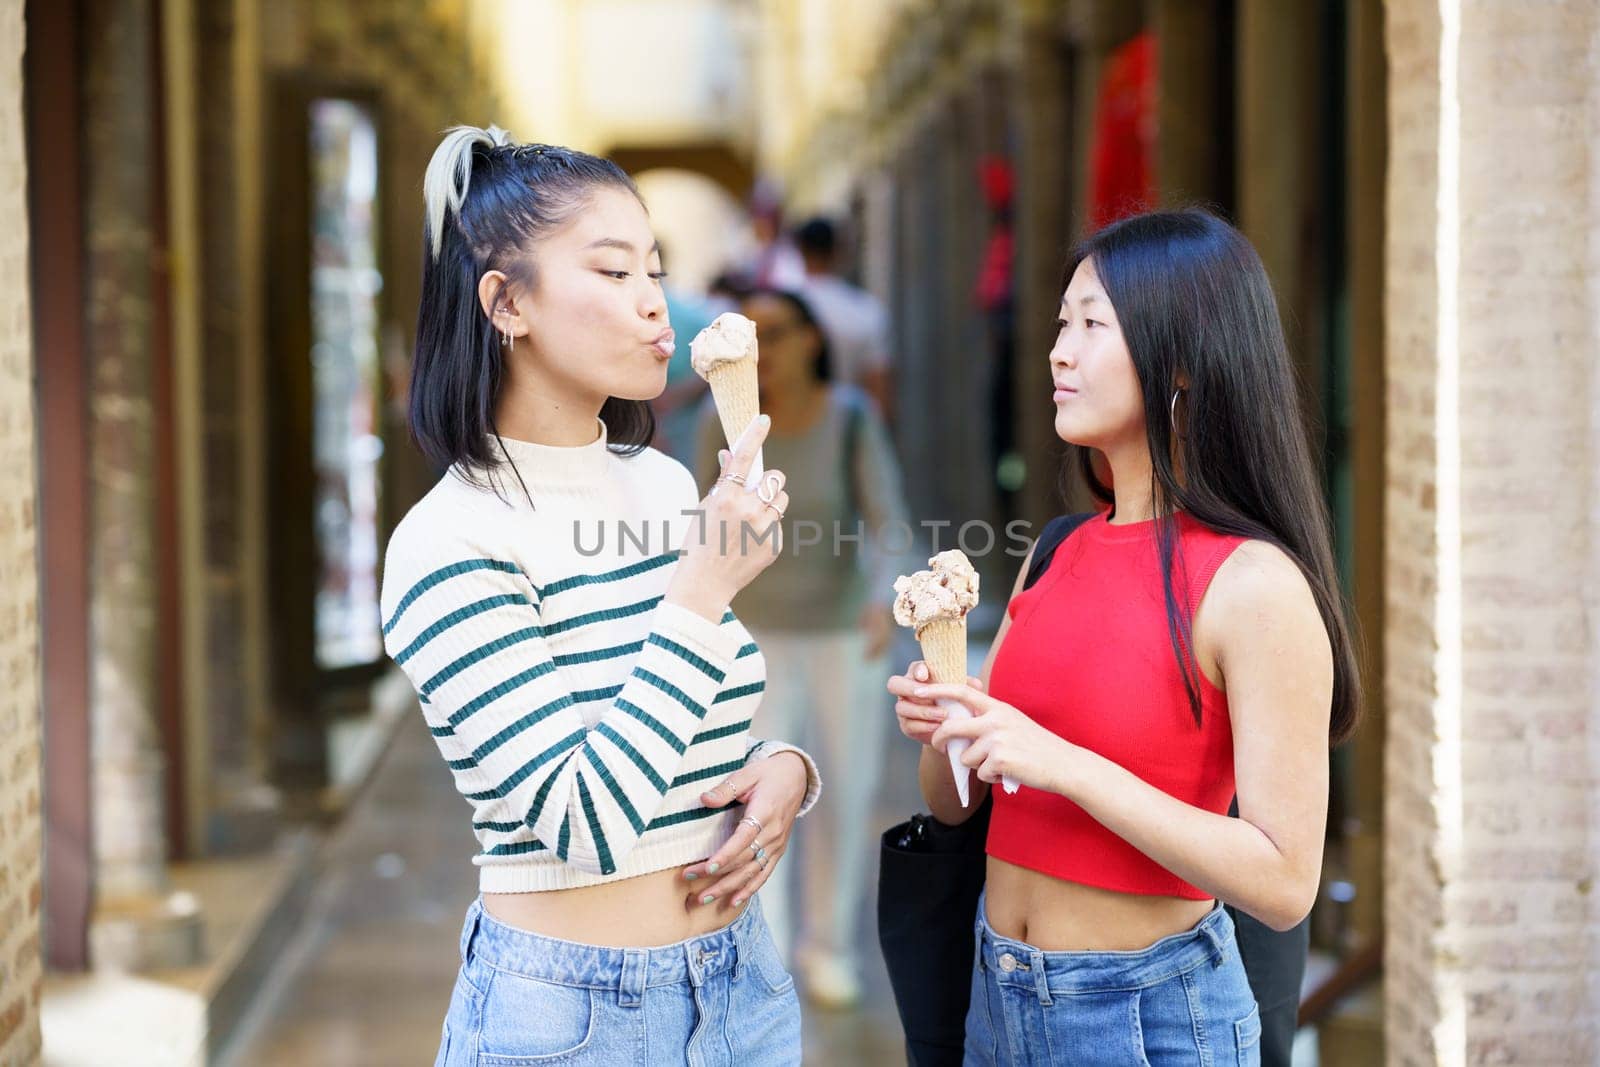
(1088, 657)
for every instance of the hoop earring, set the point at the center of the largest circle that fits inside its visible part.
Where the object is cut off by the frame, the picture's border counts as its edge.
(506, 339)
(1172, 414)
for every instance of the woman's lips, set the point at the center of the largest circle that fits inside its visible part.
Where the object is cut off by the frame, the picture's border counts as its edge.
(1064, 394)
(665, 344)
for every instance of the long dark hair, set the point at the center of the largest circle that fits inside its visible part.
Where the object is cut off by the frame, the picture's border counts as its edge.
(488, 200)
(1197, 312)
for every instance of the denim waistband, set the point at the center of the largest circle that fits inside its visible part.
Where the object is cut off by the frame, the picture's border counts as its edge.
(1011, 962)
(628, 971)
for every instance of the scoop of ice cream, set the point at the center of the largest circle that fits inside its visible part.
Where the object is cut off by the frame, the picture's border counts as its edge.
(730, 338)
(948, 590)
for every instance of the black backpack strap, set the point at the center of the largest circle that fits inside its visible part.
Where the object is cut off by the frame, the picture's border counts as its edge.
(1056, 531)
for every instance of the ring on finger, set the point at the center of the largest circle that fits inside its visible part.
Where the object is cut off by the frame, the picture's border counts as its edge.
(775, 510)
(755, 846)
(771, 485)
(753, 821)
(761, 863)
(735, 479)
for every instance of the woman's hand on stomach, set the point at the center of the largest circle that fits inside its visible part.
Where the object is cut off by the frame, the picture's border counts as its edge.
(652, 910)
(771, 791)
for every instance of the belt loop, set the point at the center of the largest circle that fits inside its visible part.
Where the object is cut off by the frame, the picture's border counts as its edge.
(469, 928)
(745, 931)
(1041, 981)
(1219, 943)
(978, 924)
(635, 972)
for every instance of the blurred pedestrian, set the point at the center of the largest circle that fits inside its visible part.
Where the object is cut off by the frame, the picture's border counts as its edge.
(823, 617)
(677, 409)
(854, 319)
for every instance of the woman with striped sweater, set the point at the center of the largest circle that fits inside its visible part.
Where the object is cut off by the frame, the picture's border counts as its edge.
(560, 600)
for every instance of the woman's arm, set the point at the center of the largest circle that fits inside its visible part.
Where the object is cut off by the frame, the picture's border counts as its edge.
(1274, 655)
(468, 634)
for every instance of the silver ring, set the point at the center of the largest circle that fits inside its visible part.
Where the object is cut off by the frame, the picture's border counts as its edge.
(731, 479)
(753, 821)
(755, 846)
(771, 485)
(761, 863)
(761, 854)
(774, 509)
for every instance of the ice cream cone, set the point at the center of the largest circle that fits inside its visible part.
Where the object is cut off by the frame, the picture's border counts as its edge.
(733, 387)
(934, 603)
(725, 355)
(944, 649)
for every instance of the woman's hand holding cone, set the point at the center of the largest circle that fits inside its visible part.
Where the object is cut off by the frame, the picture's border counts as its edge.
(919, 718)
(740, 534)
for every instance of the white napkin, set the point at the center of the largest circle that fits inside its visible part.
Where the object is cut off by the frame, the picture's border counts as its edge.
(958, 748)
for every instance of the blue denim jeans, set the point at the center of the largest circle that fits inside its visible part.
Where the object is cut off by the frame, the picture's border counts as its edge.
(521, 998)
(1184, 1000)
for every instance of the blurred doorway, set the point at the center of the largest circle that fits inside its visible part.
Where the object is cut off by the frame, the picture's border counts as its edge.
(325, 415)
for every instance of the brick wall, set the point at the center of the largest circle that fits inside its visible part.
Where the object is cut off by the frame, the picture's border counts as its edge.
(19, 583)
(1493, 776)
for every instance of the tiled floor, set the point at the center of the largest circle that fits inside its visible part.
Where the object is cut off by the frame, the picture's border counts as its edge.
(366, 978)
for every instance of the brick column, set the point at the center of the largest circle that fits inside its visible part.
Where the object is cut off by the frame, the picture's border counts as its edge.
(1492, 774)
(20, 820)
(134, 924)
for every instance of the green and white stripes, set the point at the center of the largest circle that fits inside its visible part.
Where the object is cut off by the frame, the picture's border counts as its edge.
(579, 712)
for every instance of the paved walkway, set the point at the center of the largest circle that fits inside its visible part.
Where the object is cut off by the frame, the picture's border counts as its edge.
(366, 978)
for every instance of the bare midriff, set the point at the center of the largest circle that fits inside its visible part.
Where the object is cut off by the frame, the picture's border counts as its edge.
(655, 909)
(1059, 916)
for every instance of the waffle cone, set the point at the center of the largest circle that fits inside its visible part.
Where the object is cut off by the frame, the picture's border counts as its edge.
(733, 386)
(944, 648)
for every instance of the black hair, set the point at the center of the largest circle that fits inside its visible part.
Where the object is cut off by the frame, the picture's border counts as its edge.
(488, 200)
(1197, 312)
(822, 364)
(817, 237)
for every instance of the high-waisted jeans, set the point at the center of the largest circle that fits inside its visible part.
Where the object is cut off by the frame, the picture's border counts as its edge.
(1184, 1000)
(719, 1000)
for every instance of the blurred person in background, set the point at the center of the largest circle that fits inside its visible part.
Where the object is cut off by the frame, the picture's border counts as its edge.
(677, 409)
(775, 263)
(823, 618)
(854, 320)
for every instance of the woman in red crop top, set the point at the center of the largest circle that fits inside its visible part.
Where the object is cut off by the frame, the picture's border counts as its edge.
(1186, 646)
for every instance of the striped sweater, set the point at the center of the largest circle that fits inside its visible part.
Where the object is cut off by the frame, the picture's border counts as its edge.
(581, 714)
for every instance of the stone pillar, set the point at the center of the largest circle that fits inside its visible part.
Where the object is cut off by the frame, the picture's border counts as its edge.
(1364, 216)
(1192, 158)
(20, 818)
(135, 924)
(1042, 104)
(1492, 815)
(1276, 166)
(241, 808)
